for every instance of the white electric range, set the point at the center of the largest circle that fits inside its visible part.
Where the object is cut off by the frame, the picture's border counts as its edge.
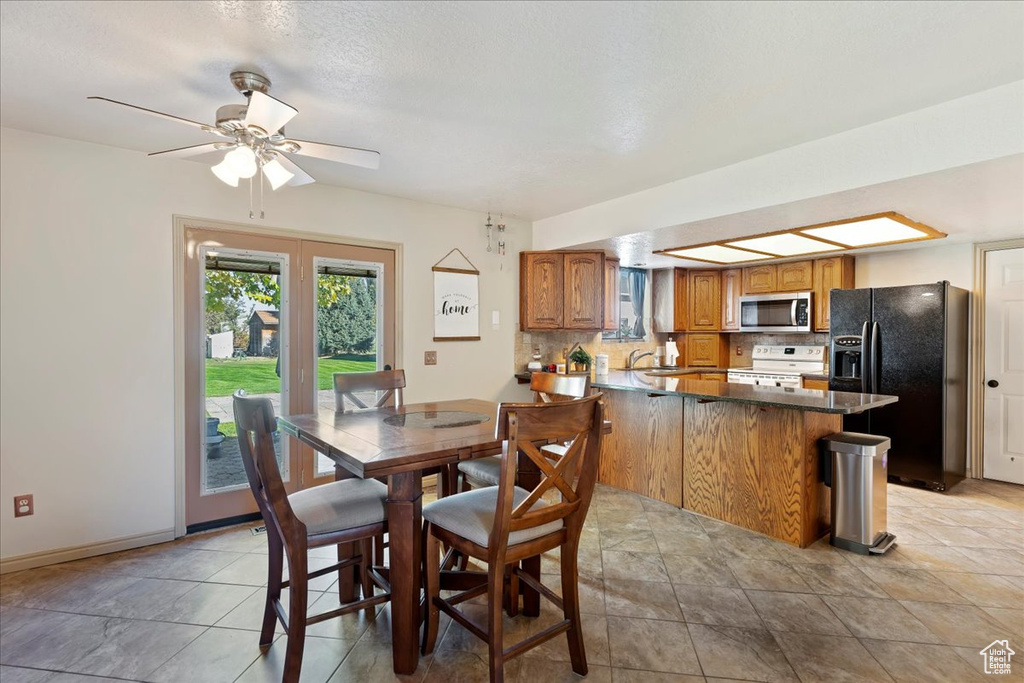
(780, 366)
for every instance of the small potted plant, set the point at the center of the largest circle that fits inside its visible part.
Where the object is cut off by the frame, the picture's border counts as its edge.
(581, 360)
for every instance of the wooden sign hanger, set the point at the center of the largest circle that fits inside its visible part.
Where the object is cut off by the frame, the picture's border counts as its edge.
(438, 268)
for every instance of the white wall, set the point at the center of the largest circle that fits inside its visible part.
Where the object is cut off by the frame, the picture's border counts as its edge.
(86, 332)
(916, 266)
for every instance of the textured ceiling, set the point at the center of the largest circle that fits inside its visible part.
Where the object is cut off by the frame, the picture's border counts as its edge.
(528, 108)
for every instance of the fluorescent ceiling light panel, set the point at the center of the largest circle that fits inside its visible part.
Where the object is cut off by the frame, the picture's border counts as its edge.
(872, 231)
(718, 254)
(786, 244)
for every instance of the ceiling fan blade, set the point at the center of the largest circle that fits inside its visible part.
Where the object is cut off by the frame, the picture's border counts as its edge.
(301, 177)
(367, 158)
(190, 151)
(268, 113)
(152, 112)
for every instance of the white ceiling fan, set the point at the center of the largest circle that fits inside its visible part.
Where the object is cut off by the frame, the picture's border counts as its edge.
(255, 141)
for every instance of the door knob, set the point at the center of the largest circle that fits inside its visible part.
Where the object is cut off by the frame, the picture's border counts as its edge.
(993, 383)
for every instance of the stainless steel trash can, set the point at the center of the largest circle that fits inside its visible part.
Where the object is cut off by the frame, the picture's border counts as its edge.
(856, 468)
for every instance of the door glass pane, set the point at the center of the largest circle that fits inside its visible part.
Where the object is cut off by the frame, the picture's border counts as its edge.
(245, 333)
(348, 319)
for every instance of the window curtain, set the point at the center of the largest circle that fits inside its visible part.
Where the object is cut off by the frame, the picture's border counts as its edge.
(637, 280)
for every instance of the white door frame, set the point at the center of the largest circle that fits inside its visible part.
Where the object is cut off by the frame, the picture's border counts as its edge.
(180, 224)
(976, 390)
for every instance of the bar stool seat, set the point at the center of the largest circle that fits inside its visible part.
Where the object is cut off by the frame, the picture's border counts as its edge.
(340, 505)
(470, 515)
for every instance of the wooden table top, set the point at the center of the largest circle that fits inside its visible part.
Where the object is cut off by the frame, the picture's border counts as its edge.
(366, 444)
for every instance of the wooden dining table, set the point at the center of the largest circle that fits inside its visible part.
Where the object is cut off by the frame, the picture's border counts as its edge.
(400, 443)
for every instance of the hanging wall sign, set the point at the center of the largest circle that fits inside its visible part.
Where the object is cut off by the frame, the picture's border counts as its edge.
(456, 300)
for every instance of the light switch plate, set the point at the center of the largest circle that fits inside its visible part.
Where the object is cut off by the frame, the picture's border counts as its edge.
(495, 320)
(430, 357)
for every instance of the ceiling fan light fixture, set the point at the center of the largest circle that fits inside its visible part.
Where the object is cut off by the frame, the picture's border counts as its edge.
(224, 171)
(277, 175)
(242, 161)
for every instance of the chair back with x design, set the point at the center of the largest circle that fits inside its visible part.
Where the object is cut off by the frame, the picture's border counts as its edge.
(578, 424)
(550, 386)
(388, 384)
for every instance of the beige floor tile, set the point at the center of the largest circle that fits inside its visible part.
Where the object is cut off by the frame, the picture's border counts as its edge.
(636, 676)
(591, 592)
(913, 584)
(745, 547)
(629, 540)
(830, 658)
(879, 619)
(685, 543)
(984, 590)
(717, 606)
(769, 575)
(81, 592)
(135, 649)
(838, 580)
(10, 674)
(219, 654)
(679, 521)
(920, 662)
(595, 639)
(961, 536)
(633, 566)
(247, 570)
(819, 552)
(644, 599)
(994, 561)
(456, 637)
(960, 625)
(236, 539)
(798, 612)
(320, 659)
(740, 653)
(698, 571)
(48, 640)
(535, 670)
(939, 558)
(652, 646)
(456, 666)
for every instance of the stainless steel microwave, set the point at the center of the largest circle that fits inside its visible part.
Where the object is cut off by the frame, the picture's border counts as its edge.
(789, 312)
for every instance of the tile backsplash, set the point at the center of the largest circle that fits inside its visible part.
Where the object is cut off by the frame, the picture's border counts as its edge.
(552, 344)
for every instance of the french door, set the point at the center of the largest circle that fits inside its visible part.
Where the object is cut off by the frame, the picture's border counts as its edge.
(277, 317)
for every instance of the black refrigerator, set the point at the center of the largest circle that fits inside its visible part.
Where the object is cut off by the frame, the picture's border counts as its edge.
(909, 342)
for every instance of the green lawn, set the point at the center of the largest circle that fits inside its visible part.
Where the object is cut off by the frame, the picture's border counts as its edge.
(256, 375)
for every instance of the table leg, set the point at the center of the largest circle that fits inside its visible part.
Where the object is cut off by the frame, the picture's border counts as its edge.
(405, 501)
(347, 577)
(529, 478)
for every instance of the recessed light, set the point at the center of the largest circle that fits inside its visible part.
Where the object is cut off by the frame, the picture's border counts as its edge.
(882, 230)
(785, 244)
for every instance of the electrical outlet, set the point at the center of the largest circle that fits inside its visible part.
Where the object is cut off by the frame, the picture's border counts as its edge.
(739, 350)
(23, 506)
(430, 357)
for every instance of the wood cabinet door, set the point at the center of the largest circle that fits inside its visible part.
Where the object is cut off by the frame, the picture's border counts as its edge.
(732, 282)
(704, 350)
(584, 290)
(704, 300)
(821, 384)
(829, 273)
(611, 294)
(681, 308)
(540, 290)
(795, 277)
(760, 279)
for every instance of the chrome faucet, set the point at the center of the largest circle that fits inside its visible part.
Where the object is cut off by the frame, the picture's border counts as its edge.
(633, 358)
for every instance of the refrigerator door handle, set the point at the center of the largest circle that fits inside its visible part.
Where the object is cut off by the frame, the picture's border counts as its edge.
(865, 358)
(875, 367)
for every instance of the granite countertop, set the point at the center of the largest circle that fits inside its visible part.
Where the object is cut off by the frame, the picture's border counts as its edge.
(813, 400)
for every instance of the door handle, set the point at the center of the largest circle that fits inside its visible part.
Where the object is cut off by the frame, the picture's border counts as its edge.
(993, 383)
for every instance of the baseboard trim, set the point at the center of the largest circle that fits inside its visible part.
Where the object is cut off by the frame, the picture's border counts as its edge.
(78, 552)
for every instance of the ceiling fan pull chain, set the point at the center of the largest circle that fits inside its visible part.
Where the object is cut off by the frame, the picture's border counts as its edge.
(251, 214)
(261, 192)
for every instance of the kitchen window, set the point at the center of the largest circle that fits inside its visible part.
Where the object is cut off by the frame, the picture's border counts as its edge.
(634, 309)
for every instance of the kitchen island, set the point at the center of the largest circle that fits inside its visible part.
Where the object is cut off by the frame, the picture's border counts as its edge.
(744, 454)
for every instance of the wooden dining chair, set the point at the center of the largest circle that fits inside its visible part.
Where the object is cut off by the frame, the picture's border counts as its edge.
(504, 525)
(547, 387)
(388, 384)
(348, 511)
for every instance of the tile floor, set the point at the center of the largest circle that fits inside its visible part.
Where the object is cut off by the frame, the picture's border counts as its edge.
(667, 596)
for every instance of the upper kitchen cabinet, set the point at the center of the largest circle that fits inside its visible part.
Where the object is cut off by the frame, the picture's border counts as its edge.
(704, 300)
(584, 290)
(795, 277)
(761, 279)
(830, 273)
(611, 294)
(561, 290)
(732, 283)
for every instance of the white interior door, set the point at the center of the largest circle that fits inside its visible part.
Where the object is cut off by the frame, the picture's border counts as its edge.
(1004, 365)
